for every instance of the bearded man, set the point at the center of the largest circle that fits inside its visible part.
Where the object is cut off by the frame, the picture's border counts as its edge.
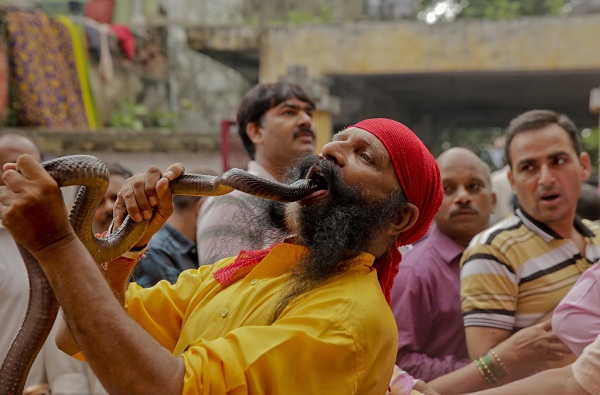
(308, 315)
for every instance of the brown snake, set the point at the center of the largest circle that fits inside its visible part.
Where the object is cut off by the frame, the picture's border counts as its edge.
(92, 175)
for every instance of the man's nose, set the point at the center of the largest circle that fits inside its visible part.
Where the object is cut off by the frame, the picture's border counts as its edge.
(334, 151)
(462, 195)
(304, 119)
(546, 177)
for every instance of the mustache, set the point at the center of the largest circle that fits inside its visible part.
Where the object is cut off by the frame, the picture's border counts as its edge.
(311, 164)
(463, 210)
(304, 130)
(309, 161)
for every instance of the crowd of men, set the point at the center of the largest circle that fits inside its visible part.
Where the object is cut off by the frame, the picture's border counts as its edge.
(238, 294)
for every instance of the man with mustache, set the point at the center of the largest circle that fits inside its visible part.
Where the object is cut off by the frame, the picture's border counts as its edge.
(426, 292)
(515, 273)
(276, 128)
(282, 320)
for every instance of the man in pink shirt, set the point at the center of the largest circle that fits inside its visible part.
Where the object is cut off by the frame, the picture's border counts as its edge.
(426, 293)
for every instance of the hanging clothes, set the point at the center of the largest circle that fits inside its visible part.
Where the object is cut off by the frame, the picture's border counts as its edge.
(45, 75)
(80, 51)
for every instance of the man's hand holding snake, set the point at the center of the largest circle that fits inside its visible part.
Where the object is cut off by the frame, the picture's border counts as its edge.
(29, 192)
(147, 196)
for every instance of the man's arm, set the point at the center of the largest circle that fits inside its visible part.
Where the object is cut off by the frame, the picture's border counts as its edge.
(125, 358)
(522, 354)
(549, 382)
(489, 294)
(480, 339)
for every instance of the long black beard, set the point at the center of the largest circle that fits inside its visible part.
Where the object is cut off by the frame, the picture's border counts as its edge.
(334, 230)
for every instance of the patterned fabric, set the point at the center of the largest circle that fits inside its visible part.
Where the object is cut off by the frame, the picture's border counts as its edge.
(243, 264)
(44, 74)
(419, 176)
(80, 54)
(517, 271)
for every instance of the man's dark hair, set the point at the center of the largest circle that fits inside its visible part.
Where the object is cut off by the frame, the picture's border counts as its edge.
(261, 98)
(116, 169)
(536, 120)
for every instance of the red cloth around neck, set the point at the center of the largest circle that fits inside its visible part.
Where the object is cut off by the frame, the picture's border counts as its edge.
(419, 177)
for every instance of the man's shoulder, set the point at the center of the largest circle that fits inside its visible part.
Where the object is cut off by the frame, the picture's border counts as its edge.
(500, 233)
(594, 227)
(235, 208)
(505, 242)
(233, 197)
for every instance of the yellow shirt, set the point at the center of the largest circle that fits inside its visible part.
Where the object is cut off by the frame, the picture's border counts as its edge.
(341, 338)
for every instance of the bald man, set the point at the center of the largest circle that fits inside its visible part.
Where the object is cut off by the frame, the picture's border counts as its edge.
(52, 370)
(12, 145)
(426, 293)
(14, 283)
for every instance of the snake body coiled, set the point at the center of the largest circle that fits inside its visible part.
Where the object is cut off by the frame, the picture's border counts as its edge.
(91, 173)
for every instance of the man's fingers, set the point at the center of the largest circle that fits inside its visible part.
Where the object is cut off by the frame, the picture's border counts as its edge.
(174, 171)
(30, 168)
(127, 199)
(153, 175)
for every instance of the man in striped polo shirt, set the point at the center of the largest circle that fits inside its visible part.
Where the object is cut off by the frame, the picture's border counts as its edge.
(515, 273)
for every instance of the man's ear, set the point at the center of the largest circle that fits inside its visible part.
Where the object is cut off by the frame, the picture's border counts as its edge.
(586, 165)
(254, 132)
(404, 221)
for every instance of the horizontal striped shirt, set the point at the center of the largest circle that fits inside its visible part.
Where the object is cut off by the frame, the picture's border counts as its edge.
(517, 271)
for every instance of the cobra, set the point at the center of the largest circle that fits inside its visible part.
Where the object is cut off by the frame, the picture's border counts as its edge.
(91, 174)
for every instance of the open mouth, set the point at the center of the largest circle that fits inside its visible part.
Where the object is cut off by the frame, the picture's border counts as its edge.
(550, 197)
(314, 174)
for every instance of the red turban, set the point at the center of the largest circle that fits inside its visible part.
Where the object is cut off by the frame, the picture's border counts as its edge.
(419, 177)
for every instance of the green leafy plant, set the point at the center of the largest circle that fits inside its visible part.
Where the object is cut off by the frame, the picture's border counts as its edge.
(303, 17)
(130, 115)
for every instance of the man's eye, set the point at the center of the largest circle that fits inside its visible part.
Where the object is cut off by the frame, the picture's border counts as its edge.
(559, 161)
(366, 158)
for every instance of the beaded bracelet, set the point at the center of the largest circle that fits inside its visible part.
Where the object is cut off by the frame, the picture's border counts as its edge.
(485, 371)
(497, 358)
(489, 362)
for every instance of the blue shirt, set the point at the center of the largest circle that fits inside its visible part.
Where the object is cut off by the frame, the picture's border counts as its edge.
(169, 253)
